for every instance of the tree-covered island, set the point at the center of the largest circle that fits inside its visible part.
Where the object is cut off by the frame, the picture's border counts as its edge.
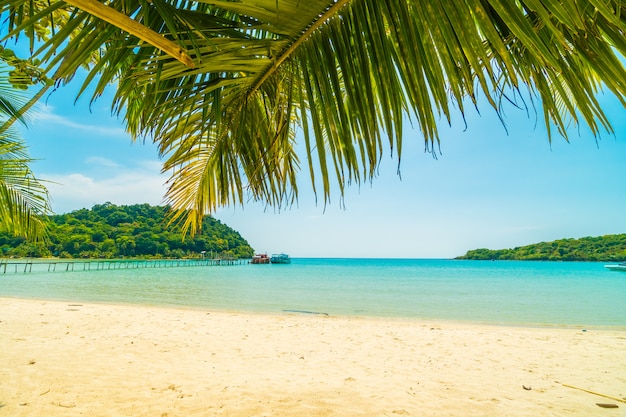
(602, 248)
(111, 231)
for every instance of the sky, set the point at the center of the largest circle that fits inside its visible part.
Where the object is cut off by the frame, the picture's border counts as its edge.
(490, 187)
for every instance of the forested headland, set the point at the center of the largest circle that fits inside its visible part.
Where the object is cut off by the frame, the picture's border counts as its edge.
(140, 230)
(602, 248)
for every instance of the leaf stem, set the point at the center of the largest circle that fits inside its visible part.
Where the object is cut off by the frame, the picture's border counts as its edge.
(331, 12)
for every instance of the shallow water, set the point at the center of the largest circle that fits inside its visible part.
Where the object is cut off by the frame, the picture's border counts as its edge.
(500, 292)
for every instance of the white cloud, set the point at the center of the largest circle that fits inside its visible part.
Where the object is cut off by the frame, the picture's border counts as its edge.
(103, 162)
(150, 165)
(46, 115)
(125, 186)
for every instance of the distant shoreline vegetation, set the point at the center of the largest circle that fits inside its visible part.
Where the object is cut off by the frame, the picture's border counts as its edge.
(109, 231)
(603, 248)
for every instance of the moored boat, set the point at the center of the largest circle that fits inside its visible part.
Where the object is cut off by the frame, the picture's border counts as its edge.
(280, 258)
(617, 267)
(260, 258)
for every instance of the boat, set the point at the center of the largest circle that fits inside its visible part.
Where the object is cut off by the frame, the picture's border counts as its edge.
(617, 267)
(260, 258)
(280, 258)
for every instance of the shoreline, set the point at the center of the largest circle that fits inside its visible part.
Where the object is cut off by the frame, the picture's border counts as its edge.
(280, 313)
(69, 358)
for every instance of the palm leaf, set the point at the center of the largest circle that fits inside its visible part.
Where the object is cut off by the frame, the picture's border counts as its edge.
(347, 72)
(23, 198)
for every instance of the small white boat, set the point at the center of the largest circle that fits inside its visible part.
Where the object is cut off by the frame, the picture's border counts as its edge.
(617, 267)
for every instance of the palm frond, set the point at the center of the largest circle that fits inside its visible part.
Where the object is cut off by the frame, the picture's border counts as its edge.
(347, 72)
(23, 198)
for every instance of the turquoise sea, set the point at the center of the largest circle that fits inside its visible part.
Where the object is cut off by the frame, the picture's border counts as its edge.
(500, 292)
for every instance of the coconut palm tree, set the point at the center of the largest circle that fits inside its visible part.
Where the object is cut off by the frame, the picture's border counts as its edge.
(23, 198)
(222, 85)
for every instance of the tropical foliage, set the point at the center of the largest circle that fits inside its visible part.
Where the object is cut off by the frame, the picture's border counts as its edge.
(221, 86)
(23, 198)
(110, 231)
(602, 248)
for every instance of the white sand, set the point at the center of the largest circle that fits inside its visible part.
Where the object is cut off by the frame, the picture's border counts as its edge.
(62, 359)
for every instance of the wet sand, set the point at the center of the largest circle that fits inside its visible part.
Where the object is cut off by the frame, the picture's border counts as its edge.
(71, 359)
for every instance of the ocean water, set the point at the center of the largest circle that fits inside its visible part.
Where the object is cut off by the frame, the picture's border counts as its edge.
(500, 292)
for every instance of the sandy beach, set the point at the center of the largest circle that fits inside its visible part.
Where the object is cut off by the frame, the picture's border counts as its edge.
(71, 359)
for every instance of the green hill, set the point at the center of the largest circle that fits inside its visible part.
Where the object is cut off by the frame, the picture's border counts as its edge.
(110, 231)
(602, 248)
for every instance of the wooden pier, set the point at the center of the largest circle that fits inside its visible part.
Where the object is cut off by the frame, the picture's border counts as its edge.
(42, 265)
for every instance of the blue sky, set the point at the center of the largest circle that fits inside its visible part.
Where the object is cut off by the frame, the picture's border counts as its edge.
(490, 187)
